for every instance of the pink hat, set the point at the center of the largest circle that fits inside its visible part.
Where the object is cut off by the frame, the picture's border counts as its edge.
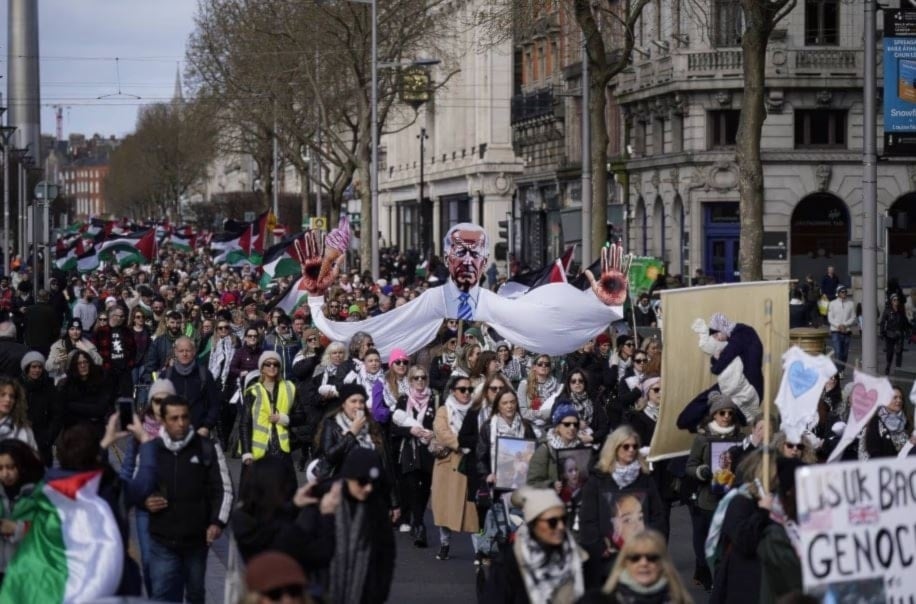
(397, 354)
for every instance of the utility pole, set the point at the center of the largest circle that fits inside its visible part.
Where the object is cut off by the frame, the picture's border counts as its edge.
(586, 160)
(424, 227)
(870, 199)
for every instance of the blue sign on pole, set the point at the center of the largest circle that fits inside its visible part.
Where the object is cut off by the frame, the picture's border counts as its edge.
(900, 82)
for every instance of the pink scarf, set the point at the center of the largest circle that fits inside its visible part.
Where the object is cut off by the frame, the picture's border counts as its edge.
(151, 426)
(417, 401)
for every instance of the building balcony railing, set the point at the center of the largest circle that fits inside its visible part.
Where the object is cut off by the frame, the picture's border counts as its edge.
(532, 105)
(728, 63)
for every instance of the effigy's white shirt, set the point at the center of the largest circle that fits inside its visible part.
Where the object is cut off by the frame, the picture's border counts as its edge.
(553, 319)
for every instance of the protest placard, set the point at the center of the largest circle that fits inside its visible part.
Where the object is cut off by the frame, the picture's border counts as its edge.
(857, 529)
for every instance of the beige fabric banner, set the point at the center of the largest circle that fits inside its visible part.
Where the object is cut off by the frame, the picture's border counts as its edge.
(685, 368)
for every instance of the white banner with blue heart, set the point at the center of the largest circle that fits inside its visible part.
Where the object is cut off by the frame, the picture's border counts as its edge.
(803, 380)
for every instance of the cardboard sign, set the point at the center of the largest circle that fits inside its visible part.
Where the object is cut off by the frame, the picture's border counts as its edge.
(857, 530)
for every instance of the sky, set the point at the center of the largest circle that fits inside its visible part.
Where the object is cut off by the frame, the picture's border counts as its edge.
(79, 41)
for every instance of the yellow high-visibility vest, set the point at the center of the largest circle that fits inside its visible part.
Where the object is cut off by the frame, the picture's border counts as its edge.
(260, 415)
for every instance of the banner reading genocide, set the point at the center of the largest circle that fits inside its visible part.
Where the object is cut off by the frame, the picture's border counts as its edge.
(857, 523)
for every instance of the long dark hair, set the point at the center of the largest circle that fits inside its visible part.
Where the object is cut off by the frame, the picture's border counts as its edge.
(30, 468)
(95, 372)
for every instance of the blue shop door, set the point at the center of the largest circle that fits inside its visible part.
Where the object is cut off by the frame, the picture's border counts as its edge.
(722, 228)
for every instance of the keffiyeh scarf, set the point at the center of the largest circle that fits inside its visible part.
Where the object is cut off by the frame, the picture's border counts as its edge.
(456, 413)
(626, 475)
(555, 442)
(363, 439)
(893, 424)
(352, 550)
(652, 411)
(583, 405)
(546, 571)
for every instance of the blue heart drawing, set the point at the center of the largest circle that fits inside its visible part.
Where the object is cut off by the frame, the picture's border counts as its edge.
(801, 379)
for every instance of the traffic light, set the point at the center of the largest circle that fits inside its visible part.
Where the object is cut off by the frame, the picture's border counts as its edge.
(502, 246)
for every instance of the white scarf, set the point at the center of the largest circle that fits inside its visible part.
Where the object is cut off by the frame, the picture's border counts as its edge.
(714, 428)
(546, 570)
(363, 439)
(652, 411)
(626, 475)
(456, 412)
(391, 398)
(221, 359)
(7, 429)
(175, 445)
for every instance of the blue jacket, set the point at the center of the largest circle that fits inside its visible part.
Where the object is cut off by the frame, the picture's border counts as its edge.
(138, 472)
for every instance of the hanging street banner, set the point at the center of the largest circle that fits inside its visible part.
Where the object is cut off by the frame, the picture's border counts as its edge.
(857, 531)
(900, 82)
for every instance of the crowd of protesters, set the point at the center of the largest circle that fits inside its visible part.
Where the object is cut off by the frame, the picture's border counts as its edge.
(218, 369)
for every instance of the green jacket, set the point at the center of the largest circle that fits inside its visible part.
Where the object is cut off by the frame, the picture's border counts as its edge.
(700, 455)
(542, 470)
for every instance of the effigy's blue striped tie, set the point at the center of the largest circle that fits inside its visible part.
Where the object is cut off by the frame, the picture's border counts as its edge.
(464, 307)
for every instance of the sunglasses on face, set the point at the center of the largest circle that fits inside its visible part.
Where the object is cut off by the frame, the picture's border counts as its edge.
(494, 388)
(798, 447)
(312, 339)
(364, 481)
(639, 361)
(157, 399)
(276, 594)
(657, 389)
(633, 558)
(629, 344)
(273, 364)
(222, 327)
(570, 424)
(542, 364)
(628, 447)
(401, 362)
(251, 335)
(577, 381)
(419, 378)
(463, 389)
(554, 522)
(725, 412)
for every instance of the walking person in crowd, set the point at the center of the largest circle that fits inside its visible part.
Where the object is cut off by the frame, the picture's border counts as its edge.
(443, 362)
(895, 330)
(537, 393)
(265, 415)
(385, 393)
(619, 500)
(143, 338)
(593, 421)
(189, 505)
(14, 420)
(452, 512)
(543, 472)
(43, 404)
(720, 426)
(887, 431)
(20, 472)
(643, 573)
(86, 392)
(73, 339)
(841, 315)
(544, 563)
(413, 425)
(194, 385)
(116, 346)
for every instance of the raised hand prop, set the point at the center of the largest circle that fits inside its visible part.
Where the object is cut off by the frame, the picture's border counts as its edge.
(322, 255)
(612, 285)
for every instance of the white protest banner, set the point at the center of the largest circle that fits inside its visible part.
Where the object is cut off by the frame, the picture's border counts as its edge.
(866, 395)
(857, 529)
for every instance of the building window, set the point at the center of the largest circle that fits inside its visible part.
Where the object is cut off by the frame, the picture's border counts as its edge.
(727, 23)
(822, 20)
(658, 136)
(820, 128)
(722, 128)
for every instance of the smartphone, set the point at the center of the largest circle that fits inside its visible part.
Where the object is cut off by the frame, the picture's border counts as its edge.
(126, 412)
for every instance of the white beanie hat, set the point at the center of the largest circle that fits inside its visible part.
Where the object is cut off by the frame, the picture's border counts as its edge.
(161, 387)
(535, 502)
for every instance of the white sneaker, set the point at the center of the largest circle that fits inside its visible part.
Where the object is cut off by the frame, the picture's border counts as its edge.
(404, 528)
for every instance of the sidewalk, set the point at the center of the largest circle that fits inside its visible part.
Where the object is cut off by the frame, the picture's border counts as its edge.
(902, 376)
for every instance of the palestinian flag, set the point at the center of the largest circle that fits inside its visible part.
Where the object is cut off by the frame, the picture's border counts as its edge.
(142, 242)
(554, 272)
(282, 260)
(88, 260)
(183, 242)
(72, 549)
(292, 298)
(66, 255)
(227, 248)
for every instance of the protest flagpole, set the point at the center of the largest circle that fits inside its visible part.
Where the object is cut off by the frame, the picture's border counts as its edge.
(767, 389)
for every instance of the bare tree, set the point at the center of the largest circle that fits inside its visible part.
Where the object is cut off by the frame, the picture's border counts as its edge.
(292, 67)
(157, 165)
(760, 18)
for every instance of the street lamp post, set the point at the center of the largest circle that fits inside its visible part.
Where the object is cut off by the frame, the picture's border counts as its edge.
(6, 133)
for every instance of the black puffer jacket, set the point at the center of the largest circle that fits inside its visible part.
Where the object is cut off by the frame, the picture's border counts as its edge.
(90, 400)
(44, 408)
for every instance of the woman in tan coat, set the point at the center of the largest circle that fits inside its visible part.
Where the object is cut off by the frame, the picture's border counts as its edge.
(451, 509)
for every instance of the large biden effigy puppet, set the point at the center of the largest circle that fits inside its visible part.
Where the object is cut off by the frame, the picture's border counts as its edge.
(554, 319)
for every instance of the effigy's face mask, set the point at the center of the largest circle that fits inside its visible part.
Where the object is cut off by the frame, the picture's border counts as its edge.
(466, 258)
